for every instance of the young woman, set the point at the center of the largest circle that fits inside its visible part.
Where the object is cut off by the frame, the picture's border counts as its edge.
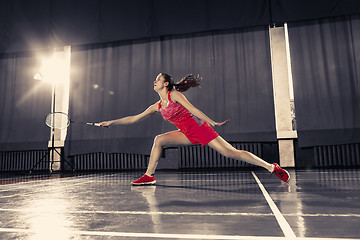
(193, 128)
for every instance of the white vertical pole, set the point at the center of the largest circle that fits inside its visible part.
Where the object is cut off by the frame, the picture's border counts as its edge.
(61, 91)
(282, 102)
(288, 61)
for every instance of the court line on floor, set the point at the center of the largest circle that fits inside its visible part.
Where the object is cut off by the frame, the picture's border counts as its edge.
(48, 189)
(49, 181)
(284, 225)
(149, 213)
(190, 213)
(40, 179)
(169, 235)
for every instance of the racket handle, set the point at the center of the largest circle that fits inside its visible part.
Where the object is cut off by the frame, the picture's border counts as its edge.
(98, 125)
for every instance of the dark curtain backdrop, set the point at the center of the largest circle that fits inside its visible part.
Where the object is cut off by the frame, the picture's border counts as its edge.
(24, 103)
(116, 80)
(38, 24)
(290, 11)
(326, 73)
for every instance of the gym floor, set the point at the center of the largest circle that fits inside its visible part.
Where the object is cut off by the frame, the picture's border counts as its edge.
(244, 204)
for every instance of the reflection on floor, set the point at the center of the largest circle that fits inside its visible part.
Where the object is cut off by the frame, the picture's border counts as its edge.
(183, 205)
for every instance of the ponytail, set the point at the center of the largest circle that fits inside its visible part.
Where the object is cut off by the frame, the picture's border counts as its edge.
(187, 82)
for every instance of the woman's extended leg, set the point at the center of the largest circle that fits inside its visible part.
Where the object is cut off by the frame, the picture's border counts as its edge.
(160, 141)
(225, 148)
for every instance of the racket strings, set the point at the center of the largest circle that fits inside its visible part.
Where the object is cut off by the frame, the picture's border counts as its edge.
(57, 120)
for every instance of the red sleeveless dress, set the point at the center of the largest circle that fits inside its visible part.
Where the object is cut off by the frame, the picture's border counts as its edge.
(195, 129)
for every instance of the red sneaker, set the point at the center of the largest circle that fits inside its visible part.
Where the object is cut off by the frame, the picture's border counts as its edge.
(144, 180)
(281, 173)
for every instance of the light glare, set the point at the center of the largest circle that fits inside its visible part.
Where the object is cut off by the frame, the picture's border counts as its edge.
(52, 70)
(38, 76)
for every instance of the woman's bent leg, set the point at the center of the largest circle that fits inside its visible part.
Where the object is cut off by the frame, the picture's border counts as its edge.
(160, 141)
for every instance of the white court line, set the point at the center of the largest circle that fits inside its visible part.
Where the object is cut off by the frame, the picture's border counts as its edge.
(189, 213)
(29, 181)
(169, 236)
(146, 213)
(49, 188)
(49, 181)
(285, 227)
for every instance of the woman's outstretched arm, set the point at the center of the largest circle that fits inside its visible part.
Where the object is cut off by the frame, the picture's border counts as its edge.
(132, 119)
(180, 98)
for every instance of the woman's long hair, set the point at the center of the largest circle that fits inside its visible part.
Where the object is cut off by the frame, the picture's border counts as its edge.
(185, 83)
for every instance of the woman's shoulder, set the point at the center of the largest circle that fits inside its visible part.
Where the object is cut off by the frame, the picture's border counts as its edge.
(155, 107)
(174, 95)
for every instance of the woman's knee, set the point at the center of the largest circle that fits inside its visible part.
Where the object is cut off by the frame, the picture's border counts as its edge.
(159, 140)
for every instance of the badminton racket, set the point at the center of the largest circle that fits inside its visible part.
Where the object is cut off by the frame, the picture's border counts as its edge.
(61, 120)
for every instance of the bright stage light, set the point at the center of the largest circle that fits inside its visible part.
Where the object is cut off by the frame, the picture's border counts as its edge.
(38, 76)
(52, 70)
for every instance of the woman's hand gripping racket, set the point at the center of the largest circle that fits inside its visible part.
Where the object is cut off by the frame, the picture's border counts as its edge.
(60, 120)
